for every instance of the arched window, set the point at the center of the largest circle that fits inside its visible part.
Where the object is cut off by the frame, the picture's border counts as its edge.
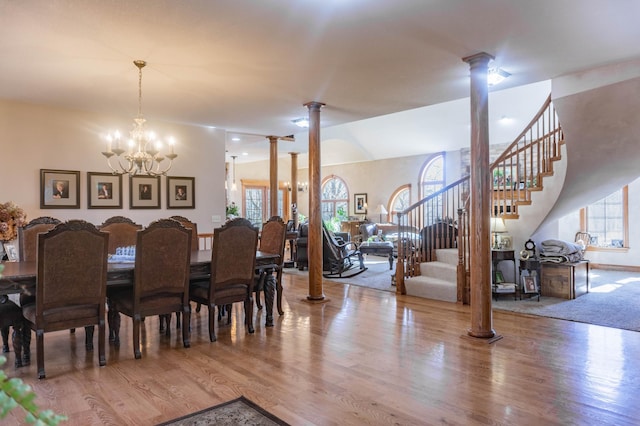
(431, 181)
(335, 198)
(399, 201)
(432, 175)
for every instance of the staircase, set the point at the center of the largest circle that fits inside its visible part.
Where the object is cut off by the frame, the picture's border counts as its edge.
(435, 265)
(437, 279)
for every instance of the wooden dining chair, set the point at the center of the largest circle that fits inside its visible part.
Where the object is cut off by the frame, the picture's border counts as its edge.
(195, 244)
(233, 261)
(123, 232)
(28, 236)
(28, 241)
(71, 285)
(161, 283)
(272, 240)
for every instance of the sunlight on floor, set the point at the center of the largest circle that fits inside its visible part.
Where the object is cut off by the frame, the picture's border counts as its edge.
(608, 288)
(605, 288)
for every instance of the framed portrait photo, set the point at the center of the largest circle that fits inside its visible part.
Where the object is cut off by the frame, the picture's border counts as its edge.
(104, 191)
(144, 192)
(181, 192)
(360, 204)
(529, 284)
(59, 189)
(11, 251)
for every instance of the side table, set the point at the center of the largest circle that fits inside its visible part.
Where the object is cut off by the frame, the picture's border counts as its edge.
(498, 256)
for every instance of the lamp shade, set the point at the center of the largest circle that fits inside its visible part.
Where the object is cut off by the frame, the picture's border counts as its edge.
(497, 225)
(381, 210)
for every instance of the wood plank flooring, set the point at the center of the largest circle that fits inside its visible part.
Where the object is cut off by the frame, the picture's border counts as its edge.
(363, 357)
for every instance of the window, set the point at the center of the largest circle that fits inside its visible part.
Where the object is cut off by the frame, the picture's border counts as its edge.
(432, 176)
(606, 220)
(335, 198)
(400, 200)
(431, 181)
(256, 202)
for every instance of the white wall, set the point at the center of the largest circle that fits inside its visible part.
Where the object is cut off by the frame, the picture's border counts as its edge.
(35, 137)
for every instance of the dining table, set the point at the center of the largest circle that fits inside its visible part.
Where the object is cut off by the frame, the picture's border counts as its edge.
(19, 277)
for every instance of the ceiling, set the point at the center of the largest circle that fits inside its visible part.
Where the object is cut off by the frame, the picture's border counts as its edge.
(250, 66)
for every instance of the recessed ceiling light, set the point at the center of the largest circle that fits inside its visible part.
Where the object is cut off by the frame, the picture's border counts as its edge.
(301, 122)
(496, 76)
(236, 139)
(245, 153)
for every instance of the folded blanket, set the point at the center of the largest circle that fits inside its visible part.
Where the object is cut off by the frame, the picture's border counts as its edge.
(559, 247)
(565, 258)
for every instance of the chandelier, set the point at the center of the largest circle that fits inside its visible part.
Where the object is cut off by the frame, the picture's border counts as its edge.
(143, 156)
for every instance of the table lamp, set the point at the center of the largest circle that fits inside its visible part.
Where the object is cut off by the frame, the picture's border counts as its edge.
(380, 210)
(497, 227)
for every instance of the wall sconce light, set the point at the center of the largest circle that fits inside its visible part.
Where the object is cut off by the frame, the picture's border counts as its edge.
(303, 186)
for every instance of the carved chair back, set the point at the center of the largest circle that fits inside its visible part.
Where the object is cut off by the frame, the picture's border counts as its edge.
(28, 236)
(195, 243)
(123, 232)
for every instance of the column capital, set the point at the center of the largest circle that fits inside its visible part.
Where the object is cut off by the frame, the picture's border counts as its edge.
(314, 105)
(478, 58)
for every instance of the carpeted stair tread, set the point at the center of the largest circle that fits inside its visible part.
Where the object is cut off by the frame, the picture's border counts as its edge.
(431, 288)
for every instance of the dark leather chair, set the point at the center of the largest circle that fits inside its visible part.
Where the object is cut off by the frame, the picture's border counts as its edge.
(272, 240)
(161, 286)
(71, 285)
(195, 242)
(233, 262)
(302, 256)
(28, 236)
(123, 232)
(338, 255)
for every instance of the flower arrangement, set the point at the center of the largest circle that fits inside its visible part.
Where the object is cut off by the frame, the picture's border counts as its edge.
(11, 217)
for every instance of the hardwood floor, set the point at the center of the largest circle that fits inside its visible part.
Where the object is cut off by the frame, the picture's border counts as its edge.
(363, 357)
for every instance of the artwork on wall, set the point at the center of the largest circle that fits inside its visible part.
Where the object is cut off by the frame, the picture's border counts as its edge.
(144, 192)
(360, 203)
(59, 189)
(104, 191)
(181, 192)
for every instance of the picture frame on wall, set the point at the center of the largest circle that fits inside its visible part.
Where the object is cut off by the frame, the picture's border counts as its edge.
(104, 191)
(181, 192)
(144, 192)
(360, 203)
(59, 189)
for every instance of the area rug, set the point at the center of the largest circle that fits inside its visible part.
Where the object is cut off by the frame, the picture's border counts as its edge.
(613, 301)
(239, 411)
(377, 275)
